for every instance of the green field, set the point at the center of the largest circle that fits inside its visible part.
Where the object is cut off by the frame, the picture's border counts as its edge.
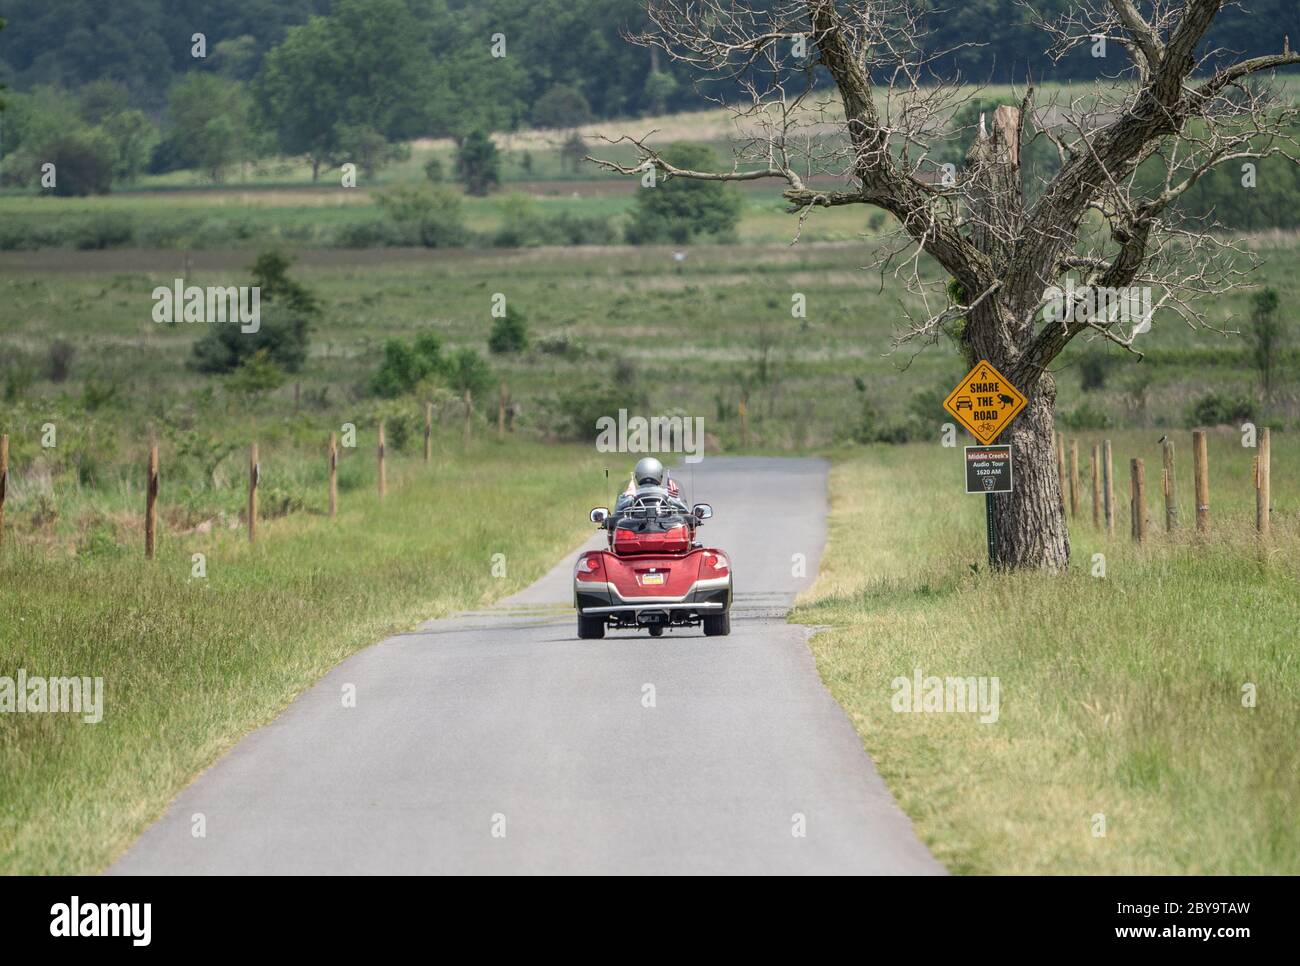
(691, 336)
(1122, 695)
(302, 216)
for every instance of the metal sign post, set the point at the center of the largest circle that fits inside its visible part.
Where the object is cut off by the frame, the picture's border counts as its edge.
(992, 528)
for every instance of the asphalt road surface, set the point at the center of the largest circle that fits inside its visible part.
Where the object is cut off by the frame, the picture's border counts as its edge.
(497, 742)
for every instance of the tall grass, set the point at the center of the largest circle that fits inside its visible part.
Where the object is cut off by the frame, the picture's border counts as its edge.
(1121, 697)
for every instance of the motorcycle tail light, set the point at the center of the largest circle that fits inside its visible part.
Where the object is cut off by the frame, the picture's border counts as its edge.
(716, 560)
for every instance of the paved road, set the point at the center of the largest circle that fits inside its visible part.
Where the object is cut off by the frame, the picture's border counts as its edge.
(504, 721)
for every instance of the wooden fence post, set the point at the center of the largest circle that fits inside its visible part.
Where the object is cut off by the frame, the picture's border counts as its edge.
(383, 479)
(428, 432)
(151, 503)
(334, 475)
(1263, 483)
(1108, 472)
(1096, 486)
(469, 414)
(1060, 472)
(501, 411)
(4, 482)
(1170, 489)
(742, 410)
(1132, 507)
(1201, 472)
(254, 477)
(1074, 478)
(1138, 473)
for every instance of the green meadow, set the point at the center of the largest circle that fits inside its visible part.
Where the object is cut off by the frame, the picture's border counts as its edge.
(1121, 695)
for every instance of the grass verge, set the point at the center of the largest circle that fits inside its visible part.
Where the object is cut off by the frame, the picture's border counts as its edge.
(191, 664)
(1120, 696)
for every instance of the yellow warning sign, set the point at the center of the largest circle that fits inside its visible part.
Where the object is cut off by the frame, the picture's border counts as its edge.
(984, 402)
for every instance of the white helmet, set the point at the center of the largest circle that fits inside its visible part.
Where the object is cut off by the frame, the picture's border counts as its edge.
(649, 471)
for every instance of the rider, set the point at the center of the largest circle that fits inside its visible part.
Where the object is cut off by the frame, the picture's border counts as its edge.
(650, 479)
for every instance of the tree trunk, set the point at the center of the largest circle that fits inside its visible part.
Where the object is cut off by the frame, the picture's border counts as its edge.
(1031, 529)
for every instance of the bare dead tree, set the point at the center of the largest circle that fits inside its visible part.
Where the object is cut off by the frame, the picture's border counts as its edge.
(1129, 146)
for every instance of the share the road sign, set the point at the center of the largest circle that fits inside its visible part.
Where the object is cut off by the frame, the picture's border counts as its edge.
(988, 469)
(985, 402)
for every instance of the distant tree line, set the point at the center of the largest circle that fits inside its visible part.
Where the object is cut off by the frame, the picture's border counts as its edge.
(428, 64)
(564, 55)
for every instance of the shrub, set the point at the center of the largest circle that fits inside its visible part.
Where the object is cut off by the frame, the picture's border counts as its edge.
(1267, 335)
(681, 209)
(60, 361)
(897, 432)
(425, 215)
(468, 370)
(567, 228)
(1087, 416)
(256, 376)
(368, 148)
(406, 365)
(917, 423)
(105, 230)
(868, 424)
(371, 233)
(926, 405)
(83, 164)
(561, 106)
(96, 395)
(19, 377)
(223, 348)
(1094, 367)
(402, 423)
(478, 163)
(572, 414)
(287, 311)
(509, 333)
(271, 274)
(523, 225)
(277, 500)
(572, 151)
(1217, 410)
(562, 345)
(100, 540)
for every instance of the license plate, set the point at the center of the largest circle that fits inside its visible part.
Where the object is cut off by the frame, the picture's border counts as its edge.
(648, 579)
